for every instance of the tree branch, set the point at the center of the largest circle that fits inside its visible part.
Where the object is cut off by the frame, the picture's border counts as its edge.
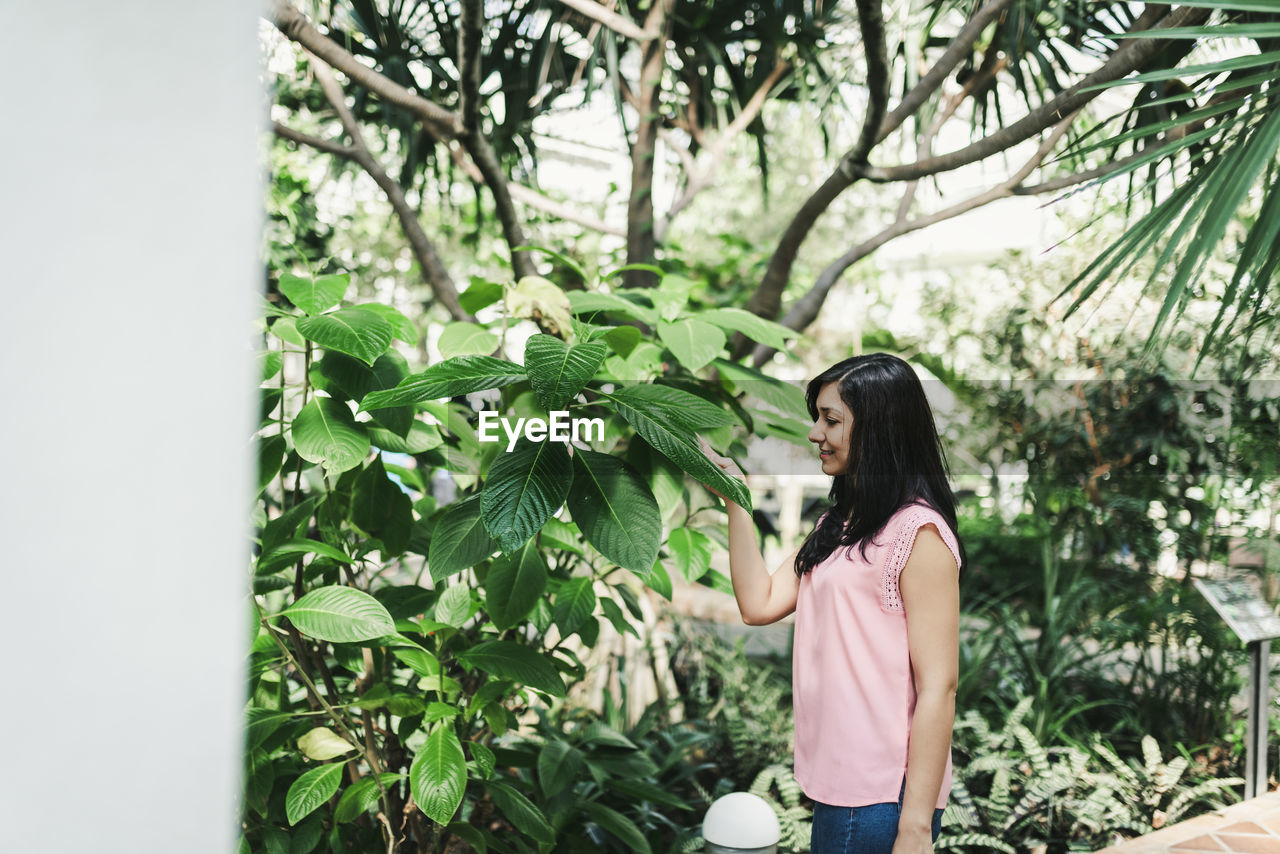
(641, 244)
(806, 309)
(871, 22)
(296, 27)
(470, 29)
(285, 132)
(956, 51)
(442, 123)
(433, 270)
(700, 179)
(1133, 54)
(621, 25)
(766, 301)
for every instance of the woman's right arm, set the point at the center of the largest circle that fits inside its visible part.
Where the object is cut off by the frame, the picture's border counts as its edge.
(762, 598)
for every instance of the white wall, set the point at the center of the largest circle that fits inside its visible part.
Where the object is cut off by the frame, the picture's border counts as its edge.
(129, 223)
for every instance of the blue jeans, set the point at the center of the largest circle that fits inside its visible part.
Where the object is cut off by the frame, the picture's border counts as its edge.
(859, 830)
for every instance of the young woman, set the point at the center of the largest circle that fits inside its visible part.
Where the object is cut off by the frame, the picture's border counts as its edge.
(875, 591)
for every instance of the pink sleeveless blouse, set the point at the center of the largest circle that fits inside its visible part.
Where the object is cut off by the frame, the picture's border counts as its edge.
(851, 672)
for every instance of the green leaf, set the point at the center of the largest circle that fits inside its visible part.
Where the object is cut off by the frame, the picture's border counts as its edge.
(325, 432)
(273, 361)
(657, 580)
(559, 765)
(454, 605)
(693, 342)
(466, 339)
(484, 758)
(523, 489)
(355, 379)
(303, 546)
(262, 723)
(271, 452)
(619, 826)
(323, 744)
(785, 397)
(521, 812)
(480, 294)
(513, 585)
(381, 509)
(676, 442)
(289, 525)
(286, 329)
(421, 437)
(402, 327)
(361, 334)
(314, 295)
(438, 775)
(575, 603)
(310, 790)
(615, 509)
(517, 662)
(471, 835)
(557, 371)
(340, 614)
(753, 326)
(360, 796)
(691, 552)
(459, 540)
(450, 378)
(586, 302)
(677, 404)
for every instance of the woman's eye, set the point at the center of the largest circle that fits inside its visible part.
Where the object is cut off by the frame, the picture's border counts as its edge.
(829, 421)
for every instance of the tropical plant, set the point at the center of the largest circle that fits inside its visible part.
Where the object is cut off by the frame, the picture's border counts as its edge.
(402, 632)
(1012, 792)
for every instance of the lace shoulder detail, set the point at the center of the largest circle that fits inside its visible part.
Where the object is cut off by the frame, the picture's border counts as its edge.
(906, 524)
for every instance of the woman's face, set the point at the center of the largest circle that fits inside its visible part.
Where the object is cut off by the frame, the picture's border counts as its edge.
(832, 431)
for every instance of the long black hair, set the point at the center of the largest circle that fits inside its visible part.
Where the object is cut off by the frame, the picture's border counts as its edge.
(895, 456)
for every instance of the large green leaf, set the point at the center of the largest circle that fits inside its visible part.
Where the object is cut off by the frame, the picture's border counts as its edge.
(459, 540)
(361, 795)
(325, 432)
(438, 775)
(521, 812)
(314, 295)
(615, 509)
(310, 790)
(575, 603)
(783, 396)
(585, 302)
(453, 608)
(753, 326)
(362, 334)
(450, 378)
(691, 553)
(559, 766)
(693, 342)
(689, 409)
(557, 371)
(523, 489)
(516, 662)
(381, 509)
(677, 443)
(340, 614)
(513, 585)
(339, 374)
(618, 825)
(402, 327)
(419, 437)
(466, 339)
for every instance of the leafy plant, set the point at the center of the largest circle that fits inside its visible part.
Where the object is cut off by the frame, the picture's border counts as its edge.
(404, 634)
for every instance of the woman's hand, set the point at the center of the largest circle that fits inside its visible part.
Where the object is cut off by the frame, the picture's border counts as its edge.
(914, 840)
(728, 466)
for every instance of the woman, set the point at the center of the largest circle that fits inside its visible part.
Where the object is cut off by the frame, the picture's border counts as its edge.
(875, 591)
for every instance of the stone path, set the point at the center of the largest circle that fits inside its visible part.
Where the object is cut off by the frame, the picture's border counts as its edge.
(1251, 827)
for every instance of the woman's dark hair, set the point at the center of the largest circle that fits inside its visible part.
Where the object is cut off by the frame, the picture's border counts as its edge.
(895, 456)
